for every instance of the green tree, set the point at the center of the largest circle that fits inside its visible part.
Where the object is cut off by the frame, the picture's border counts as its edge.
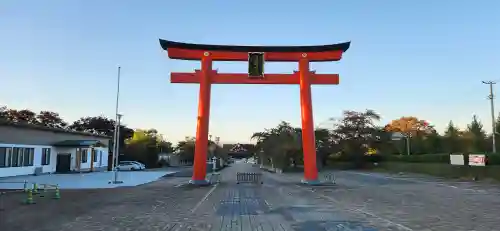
(452, 139)
(103, 126)
(145, 145)
(280, 146)
(356, 132)
(474, 137)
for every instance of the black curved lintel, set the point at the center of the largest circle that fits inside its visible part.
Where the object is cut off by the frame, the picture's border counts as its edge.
(165, 44)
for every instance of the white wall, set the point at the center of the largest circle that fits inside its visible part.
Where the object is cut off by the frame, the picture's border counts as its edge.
(51, 168)
(37, 161)
(85, 166)
(103, 160)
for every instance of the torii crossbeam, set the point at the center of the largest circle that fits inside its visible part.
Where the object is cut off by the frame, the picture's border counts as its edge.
(255, 55)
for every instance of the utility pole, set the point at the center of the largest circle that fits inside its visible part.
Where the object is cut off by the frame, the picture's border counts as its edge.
(491, 97)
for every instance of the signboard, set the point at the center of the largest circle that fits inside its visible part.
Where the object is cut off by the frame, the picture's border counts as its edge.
(397, 136)
(256, 64)
(477, 160)
(457, 159)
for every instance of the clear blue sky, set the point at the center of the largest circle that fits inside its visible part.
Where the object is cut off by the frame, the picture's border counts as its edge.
(424, 58)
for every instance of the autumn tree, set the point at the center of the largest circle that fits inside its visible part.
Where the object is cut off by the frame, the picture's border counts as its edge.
(409, 126)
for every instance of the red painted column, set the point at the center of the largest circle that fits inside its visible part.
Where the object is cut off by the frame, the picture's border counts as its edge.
(201, 148)
(308, 139)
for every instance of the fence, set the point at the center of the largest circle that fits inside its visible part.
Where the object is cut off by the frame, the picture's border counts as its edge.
(249, 177)
(329, 178)
(30, 192)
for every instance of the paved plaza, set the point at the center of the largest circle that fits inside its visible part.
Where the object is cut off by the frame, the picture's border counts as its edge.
(359, 201)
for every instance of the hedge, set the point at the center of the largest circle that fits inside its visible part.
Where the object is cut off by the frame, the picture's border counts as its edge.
(443, 170)
(492, 159)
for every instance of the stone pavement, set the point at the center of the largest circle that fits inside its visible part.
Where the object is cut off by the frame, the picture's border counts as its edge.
(280, 204)
(359, 201)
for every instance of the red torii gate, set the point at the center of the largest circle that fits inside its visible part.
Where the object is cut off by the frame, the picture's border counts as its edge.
(255, 55)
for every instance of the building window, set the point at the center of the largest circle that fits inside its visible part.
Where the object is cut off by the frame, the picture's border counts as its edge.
(17, 157)
(46, 156)
(28, 155)
(94, 155)
(5, 157)
(100, 157)
(83, 153)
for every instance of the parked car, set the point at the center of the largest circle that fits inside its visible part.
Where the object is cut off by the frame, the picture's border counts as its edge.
(130, 166)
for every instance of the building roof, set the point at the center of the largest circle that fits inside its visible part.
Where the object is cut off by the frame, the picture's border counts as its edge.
(49, 129)
(165, 44)
(79, 143)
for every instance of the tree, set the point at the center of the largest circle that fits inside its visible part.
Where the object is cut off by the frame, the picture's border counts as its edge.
(50, 119)
(19, 116)
(409, 126)
(280, 146)
(3, 113)
(325, 145)
(186, 148)
(102, 126)
(452, 139)
(356, 132)
(96, 125)
(145, 145)
(474, 137)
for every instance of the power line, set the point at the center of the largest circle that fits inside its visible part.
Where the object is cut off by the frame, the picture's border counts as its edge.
(491, 97)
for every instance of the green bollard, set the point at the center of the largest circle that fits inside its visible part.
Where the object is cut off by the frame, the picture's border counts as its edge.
(29, 198)
(25, 186)
(35, 188)
(57, 195)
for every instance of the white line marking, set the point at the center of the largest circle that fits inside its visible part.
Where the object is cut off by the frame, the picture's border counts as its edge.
(415, 181)
(268, 205)
(203, 199)
(179, 185)
(359, 210)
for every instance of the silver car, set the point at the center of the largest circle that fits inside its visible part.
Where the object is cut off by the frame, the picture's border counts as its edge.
(130, 166)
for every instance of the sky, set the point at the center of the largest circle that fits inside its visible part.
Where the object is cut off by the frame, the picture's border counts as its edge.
(422, 58)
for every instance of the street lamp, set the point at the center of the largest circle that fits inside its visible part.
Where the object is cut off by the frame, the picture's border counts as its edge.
(116, 152)
(116, 146)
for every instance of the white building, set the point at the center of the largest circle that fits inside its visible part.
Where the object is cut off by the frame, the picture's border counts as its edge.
(28, 149)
